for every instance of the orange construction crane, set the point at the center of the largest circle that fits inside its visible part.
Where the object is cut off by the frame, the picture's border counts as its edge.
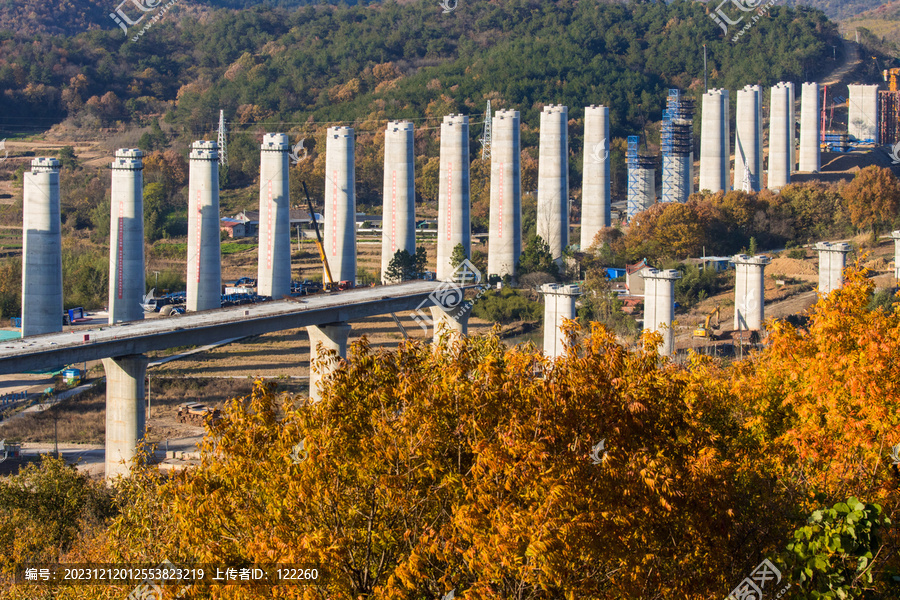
(330, 284)
(890, 75)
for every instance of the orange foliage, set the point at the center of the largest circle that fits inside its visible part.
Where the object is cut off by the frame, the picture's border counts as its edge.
(480, 468)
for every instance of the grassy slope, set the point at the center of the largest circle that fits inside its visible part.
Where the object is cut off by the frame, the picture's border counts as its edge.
(883, 22)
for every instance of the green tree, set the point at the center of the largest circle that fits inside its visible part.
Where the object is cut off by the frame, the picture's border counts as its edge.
(536, 258)
(506, 305)
(44, 508)
(100, 220)
(155, 139)
(421, 260)
(599, 303)
(67, 158)
(155, 210)
(11, 288)
(696, 284)
(401, 267)
(458, 256)
(832, 556)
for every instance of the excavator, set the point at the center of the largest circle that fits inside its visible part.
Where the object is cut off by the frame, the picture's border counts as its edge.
(704, 330)
(330, 285)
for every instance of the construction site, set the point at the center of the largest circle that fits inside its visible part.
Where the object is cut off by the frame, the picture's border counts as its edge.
(769, 144)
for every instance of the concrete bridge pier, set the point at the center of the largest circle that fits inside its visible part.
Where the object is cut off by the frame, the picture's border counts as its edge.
(559, 305)
(126, 417)
(333, 336)
(832, 261)
(750, 292)
(659, 306)
(455, 321)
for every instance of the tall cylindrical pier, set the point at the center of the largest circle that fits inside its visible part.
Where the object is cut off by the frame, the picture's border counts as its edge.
(595, 187)
(454, 223)
(274, 263)
(747, 142)
(126, 237)
(750, 292)
(340, 203)
(559, 306)
(204, 256)
(42, 299)
(553, 180)
(505, 242)
(659, 306)
(792, 123)
(779, 137)
(810, 150)
(715, 155)
(399, 212)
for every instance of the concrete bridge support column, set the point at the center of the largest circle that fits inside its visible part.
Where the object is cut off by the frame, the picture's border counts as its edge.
(126, 419)
(333, 336)
(749, 292)
(659, 306)
(42, 296)
(810, 149)
(781, 130)
(454, 321)
(832, 260)
(559, 305)
(553, 180)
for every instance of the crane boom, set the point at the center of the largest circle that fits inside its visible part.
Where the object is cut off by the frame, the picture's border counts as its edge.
(312, 215)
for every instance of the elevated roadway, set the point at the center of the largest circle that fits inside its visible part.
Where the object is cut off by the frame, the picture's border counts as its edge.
(192, 329)
(123, 347)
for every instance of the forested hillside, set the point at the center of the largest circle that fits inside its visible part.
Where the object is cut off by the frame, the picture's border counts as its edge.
(839, 9)
(410, 61)
(275, 69)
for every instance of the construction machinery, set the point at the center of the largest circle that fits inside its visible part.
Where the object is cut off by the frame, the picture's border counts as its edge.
(889, 109)
(890, 76)
(704, 331)
(330, 284)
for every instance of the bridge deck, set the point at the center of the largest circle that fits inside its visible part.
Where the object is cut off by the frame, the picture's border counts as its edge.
(207, 327)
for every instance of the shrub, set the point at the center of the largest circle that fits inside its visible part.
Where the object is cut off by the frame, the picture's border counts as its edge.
(696, 284)
(506, 305)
